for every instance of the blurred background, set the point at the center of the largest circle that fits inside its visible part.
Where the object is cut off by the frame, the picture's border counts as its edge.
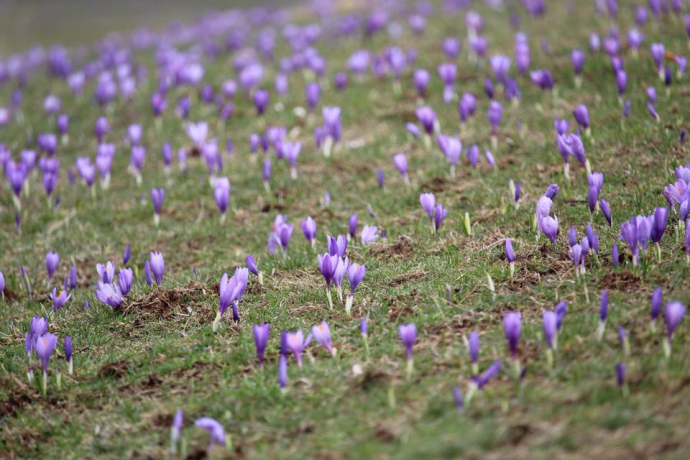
(24, 23)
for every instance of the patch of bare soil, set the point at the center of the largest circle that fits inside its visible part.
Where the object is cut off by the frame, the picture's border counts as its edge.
(9, 296)
(444, 184)
(386, 432)
(165, 303)
(401, 249)
(115, 370)
(625, 281)
(15, 403)
(395, 313)
(197, 369)
(405, 278)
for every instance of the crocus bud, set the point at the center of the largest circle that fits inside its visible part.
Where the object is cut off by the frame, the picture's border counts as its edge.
(603, 314)
(657, 300)
(68, 354)
(620, 376)
(261, 333)
(512, 329)
(510, 255)
(473, 347)
(673, 313)
(408, 336)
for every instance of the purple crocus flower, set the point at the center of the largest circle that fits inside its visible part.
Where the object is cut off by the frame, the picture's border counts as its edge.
(49, 183)
(352, 225)
(59, 299)
(309, 230)
(594, 42)
(380, 177)
(157, 266)
(400, 161)
(421, 81)
(451, 47)
(549, 226)
(282, 371)
(322, 334)
(581, 115)
(551, 191)
(296, 343)
(251, 265)
(198, 132)
(157, 198)
(261, 333)
(467, 106)
(137, 158)
(550, 328)
(489, 88)
(473, 155)
(109, 294)
(620, 373)
(440, 214)
(542, 78)
(221, 194)
(481, 380)
(577, 57)
(510, 255)
(428, 202)
(500, 66)
(337, 246)
(127, 254)
(652, 112)
(214, 429)
(658, 53)
(474, 351)
(68, 354)
(408, 337)
(369, 234)
(125, 279)
(313, 94)
(134, 134)
(635, 39)
(577, 252)
(355, 274)
(605, 210)
(457, 398)
(427, 118)
(106, 272)
(291, 151)
(673, 314)
(52, 262)
(413, 130)
(657, 300)
(592, 198)
(561, 126)
(328, 265)
(490, 159)
(512, 329)
(621, 82)
(495, 115)
(101, 128)
(603, 313)
(341, 80)
(561, 310)
(175, 429)
(660, 219)
(611, 45)
(261, 98)
(44, 346)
